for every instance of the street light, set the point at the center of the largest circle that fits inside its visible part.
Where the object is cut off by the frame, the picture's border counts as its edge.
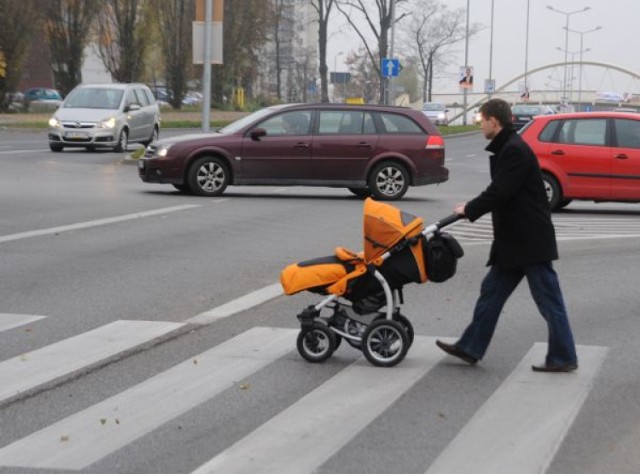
(466, 65)
(573, 59)
(582, 33)
(526, 55)
(335, 73)
(566, 39)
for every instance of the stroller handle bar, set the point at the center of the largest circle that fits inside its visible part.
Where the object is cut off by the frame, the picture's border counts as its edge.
(450, 219)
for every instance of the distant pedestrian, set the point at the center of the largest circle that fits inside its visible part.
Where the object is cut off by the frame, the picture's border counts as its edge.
(524, 245)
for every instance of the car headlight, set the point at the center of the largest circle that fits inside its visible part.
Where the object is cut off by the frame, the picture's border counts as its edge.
(107, 123)
(54, 122)
(163, 151)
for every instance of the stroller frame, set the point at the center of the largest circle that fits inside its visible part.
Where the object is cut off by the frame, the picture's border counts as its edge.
(384, 337)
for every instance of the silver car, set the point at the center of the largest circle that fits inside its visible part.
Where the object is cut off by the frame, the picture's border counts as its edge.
(437, 112)
(105, 115)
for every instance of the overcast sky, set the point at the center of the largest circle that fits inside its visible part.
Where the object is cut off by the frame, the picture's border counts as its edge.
(616, 43)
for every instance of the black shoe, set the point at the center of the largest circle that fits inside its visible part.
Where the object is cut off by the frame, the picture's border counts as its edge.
(451, 349)
(555, 368)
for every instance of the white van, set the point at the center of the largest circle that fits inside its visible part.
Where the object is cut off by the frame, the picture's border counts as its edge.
(105, 115)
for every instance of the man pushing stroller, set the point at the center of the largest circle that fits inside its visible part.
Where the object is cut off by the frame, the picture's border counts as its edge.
(524, 245)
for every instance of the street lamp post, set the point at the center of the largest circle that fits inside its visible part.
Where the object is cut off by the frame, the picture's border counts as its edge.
(526, 55)
(582, 33)
(491, 48)
(466, 65)
(335, 73)
(566, 39)
(571, 77)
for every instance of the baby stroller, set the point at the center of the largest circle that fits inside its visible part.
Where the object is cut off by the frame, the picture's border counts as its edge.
(364, 289)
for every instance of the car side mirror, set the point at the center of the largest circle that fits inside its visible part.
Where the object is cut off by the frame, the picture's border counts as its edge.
(257, 133)
(446, 111)
(132, 107)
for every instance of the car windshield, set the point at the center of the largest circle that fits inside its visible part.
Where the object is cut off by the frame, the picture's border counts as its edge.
(433, 107)
(244, 121)
(527, 110)
(94, 98)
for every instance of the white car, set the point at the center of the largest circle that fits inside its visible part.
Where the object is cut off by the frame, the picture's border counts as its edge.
(105, 115)
(437, 112)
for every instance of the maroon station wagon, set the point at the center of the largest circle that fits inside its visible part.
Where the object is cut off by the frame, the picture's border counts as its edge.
(372, 150)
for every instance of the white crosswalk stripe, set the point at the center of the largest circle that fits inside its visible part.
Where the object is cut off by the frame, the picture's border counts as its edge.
(10, 321)
(26, 372)
(146, 406)
(567, 227)
(305, 435)
(520, 427)
(531, 411)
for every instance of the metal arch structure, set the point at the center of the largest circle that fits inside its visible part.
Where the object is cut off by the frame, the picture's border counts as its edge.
(570, 63)
(551, 66)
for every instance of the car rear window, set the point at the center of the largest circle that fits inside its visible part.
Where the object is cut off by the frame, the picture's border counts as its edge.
(394, 123)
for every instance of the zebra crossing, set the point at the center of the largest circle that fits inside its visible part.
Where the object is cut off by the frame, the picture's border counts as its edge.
(568, 227)
(529, 410)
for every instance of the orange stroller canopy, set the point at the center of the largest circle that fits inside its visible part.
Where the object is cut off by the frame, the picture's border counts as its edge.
(385, 226)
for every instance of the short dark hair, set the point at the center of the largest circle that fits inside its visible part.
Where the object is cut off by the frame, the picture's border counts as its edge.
(498, 109)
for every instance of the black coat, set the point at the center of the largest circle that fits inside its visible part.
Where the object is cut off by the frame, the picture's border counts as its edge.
(522, 229)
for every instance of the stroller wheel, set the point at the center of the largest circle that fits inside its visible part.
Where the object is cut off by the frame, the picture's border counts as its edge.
(316, 343)
(406, 324)
(385, 343)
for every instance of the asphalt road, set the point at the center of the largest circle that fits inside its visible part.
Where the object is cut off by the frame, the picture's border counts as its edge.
(91, 257)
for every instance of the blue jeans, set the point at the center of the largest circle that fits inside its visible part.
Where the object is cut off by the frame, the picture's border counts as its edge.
(496, 288)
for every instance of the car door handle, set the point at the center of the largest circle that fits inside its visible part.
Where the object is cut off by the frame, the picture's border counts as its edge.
(621, 156)
(557, 152)
(364, 145)
(301, 145)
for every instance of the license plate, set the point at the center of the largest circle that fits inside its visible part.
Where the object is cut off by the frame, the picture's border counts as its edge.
(75, 135)
(141, 164)
(526, 119)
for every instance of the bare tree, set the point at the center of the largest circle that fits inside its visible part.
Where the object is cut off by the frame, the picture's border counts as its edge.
(122, 36)
(18, 21)
(323, 7)
(365, 77)
(68, 27)
(379, 22)
(434, 29)
(175, 19)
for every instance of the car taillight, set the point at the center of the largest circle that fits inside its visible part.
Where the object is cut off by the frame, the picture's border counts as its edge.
(435, 142)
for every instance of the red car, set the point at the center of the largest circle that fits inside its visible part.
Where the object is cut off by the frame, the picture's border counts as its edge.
(591, 156)
(371, 150)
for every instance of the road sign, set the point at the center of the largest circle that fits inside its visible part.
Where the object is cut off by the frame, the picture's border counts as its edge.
(489, 86)
(390, 67)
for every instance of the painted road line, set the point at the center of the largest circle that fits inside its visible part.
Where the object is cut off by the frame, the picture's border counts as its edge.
(10, 321)
(26, 372)
(521, 426)
(106, 427)
(238, 305)
(305, 435)
(95, 223)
